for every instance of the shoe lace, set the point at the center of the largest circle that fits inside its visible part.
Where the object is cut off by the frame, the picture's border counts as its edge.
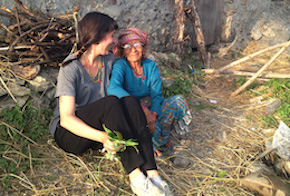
(147, 185)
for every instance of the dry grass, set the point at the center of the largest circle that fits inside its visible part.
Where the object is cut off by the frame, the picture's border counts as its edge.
(280, 65)
(222, 148)
(228, 143)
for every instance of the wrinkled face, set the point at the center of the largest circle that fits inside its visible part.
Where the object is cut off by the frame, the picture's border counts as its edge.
(133, 51)
(104, 46)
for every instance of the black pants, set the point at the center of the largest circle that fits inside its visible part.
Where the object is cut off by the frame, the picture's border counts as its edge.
(124, 115)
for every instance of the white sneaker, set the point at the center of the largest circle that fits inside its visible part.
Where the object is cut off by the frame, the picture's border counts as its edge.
(147, 188)
(165, 188)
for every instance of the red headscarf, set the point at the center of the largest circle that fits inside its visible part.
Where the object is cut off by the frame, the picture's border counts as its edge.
(129, 35)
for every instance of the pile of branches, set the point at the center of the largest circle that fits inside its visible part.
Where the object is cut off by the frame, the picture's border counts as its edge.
(35, 37)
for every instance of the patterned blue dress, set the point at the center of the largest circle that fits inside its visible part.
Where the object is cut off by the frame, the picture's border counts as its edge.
(173, 112)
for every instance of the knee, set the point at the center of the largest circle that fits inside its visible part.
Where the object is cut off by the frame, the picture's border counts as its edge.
(130, 99)
(180, 97)
(112, 101)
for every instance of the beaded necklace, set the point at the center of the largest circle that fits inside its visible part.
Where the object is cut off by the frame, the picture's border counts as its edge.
(139, 78)
(98, 76)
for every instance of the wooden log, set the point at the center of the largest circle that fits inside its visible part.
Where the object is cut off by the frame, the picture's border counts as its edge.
(244, 73)
(16, 54)
(8, 12)
(8, 31)
(35, 35)
(192, 15)
(260, 71)
(179, 28)
(251, 56)
(25, 10)
(23, 34)
(18, 21)
(15, 48)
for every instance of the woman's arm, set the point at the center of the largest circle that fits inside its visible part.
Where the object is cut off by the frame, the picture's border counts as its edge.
(71, 122)
(117, 81)
(155, 90)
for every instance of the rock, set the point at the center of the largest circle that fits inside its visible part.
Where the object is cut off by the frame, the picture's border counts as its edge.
(39, 84)
(270, 110)
(7, 102)
(14, 88)
(50, 93)
(20, 91)
(256, 34)
(199, 154)
(266, 184)
(181, 162)
(3, 91)
(268, 32)
(287, 167)
(39, 101)
(194, 102)
(28, 72)
(168, 82)
(269, 131)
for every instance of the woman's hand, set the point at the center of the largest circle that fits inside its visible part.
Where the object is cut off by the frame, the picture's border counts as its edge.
(150, 118)
(151, 121)
(108, 144)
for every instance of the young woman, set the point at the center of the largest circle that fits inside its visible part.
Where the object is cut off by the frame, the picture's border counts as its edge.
(83, 106)
(135, 75)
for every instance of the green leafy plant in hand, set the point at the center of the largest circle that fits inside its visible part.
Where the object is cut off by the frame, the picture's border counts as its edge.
(120, 144)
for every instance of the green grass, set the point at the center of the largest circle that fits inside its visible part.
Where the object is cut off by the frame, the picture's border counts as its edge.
(242, 80)
(183, 78)
(179, 86)
(280, 89)
(16, 125)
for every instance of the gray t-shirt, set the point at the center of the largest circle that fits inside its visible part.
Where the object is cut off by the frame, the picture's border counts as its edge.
(74, 80)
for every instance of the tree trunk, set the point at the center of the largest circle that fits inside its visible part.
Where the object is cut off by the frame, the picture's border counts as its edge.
(179, 27)
(192, 15)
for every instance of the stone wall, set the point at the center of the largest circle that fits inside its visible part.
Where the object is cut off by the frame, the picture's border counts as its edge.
(221, 20)
(240, 17)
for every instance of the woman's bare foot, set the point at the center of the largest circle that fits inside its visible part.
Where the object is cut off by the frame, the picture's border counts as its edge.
(169, 143)
(157, 153)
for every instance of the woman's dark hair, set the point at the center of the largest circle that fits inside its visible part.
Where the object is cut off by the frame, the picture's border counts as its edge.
(92, 29)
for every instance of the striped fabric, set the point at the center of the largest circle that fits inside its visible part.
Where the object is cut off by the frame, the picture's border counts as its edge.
(174, 115)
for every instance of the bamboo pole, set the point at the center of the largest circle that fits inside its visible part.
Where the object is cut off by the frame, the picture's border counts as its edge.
(261, 70)
(245, 73)
(251, 56)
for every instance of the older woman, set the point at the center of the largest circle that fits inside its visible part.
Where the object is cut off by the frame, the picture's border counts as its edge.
(135, 75)
(83, 106)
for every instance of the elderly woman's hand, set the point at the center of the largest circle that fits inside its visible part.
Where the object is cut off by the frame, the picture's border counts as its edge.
(151, 121)
(150, 118)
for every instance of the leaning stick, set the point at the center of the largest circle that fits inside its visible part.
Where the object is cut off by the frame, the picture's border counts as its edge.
(251, 56)
(245, 73)
(8, 90)
(261, 70)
